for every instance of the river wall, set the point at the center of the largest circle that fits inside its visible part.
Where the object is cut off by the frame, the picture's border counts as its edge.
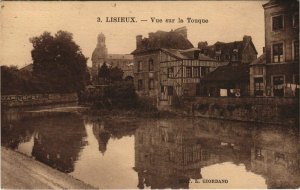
(37, 99)
(256, 109)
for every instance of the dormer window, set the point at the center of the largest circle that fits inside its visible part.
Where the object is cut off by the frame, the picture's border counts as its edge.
(277, 23)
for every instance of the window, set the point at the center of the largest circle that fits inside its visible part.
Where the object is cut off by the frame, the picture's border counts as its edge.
(258, 70)
(162, 89)
(196, 72)
(296, 82)
(296, 50)
(171, 156)
(258, 154)
(204, 71)
(296, 20)
(278, 82)
(258, 86)
(277, 53)
(151, 84)
(170, 72)
(151, 65)
(234, 57)
(140, 84)
(277, 23)
(170, 90)
(188, 72)
(139, 66)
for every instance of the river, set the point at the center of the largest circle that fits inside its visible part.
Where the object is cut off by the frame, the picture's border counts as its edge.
(157, 153)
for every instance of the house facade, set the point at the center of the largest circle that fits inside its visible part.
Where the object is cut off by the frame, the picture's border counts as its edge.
(231, 79)
(148, 55)
(242, 51)
(181, 72)
(279, 77)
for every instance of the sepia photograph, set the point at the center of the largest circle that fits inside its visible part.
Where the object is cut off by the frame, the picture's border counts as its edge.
(150, 94)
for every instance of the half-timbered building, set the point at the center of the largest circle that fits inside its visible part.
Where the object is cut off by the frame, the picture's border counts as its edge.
(181, 72)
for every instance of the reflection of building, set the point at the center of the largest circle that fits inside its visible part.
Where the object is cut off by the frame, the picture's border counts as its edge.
(276, 156)
(279, 76)
(101, 135)
(166, 157)
(100, 56)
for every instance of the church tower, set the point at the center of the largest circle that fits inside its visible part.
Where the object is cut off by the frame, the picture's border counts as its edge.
(99, 56)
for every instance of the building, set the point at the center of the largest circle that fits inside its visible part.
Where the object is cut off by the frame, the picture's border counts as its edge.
(148, 55)
(100, 55)
(181, 72)
(229, 80)
(232, 79)
(122, 61)
(167, 66)
(280, 76)
(242, 51)
(257, 76)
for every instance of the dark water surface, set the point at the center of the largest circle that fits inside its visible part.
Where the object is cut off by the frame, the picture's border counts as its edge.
(157, 153)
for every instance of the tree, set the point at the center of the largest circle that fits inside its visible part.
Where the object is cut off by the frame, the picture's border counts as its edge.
(103, 73)
(58, 62)
(116, 74)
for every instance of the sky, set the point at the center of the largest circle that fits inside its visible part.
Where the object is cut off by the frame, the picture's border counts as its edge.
(227, 21)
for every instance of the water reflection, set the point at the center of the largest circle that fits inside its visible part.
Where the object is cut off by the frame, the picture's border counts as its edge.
(57, 139)
(164, 153)
(172, 154)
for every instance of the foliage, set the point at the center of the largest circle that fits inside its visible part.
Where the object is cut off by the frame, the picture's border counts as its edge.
(110, 74)
(15, 81)
(121, 95)
(58, 62)
(103, 72)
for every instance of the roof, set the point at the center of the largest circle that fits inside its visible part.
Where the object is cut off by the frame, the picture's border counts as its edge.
(229, 47)
(261, 60)
(229, 72)
(27, 67)
(188, 54)
(162, 39)
(120, 56)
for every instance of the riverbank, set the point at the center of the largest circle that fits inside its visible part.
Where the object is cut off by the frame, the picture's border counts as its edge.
(21, 172)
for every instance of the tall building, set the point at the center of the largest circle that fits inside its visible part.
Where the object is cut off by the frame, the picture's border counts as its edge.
(100, 56)
(277, 72)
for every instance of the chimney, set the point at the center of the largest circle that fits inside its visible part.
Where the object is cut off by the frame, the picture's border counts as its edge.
(196, 54)
(139, 41)
(151, 35)
(202, 45)
(247, 39)
(182, 31)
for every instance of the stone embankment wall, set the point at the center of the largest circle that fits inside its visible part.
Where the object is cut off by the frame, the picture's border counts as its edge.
(37, 99)
(264, 110)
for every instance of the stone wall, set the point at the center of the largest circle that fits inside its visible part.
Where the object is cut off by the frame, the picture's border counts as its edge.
(37, 99)
(264, 110)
